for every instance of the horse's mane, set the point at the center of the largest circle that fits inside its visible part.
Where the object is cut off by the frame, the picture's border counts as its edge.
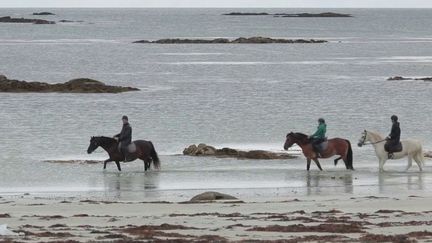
(375, 134)
(105, 140)
(300, 136)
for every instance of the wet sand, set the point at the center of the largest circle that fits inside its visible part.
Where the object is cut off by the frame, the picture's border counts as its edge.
(399, 218)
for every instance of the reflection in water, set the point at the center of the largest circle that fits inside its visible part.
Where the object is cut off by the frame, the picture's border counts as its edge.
(317, 182)
(412, 180)
(117, 184)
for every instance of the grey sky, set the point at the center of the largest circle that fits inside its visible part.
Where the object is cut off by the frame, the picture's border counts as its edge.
(221, 3)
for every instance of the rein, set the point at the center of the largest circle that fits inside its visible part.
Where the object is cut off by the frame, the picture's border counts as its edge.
(371, 143)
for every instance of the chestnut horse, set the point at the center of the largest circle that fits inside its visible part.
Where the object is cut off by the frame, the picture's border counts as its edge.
(144, 151)
(336, 146)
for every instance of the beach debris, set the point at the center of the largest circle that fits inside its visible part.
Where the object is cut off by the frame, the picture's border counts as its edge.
(399, 78)
(206, 150)
(212, 196)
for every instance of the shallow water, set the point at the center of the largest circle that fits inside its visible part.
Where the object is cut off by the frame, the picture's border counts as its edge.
(242, 96)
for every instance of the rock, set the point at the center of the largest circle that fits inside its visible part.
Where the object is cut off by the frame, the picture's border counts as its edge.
(8, 19)
(205, 150)
(398, 78)
(82, 85)
(428, 154)
(212, 196)
(244, 14)
(70, 21)
(296, 15)
(311, 15)
(3, 78)
(43, 13)
(241, 40)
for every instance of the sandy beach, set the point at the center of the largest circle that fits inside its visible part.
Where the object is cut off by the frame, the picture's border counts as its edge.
(322, 219)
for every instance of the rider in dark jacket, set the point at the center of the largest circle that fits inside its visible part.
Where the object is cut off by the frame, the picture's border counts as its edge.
(124, 137)
(393, 139)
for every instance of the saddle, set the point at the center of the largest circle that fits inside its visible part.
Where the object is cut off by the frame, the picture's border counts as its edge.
(322, 146)
(390, 148)
(131, 147)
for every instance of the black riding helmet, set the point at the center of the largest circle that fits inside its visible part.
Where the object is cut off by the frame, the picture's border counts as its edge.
(321, 120)
(125, 118)
(394, 118)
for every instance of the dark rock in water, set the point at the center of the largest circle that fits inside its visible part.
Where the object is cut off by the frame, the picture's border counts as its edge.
(296, 15)
(205, 150)
(8, 19)
(311, 15)
(244, 14)
(82, 85)
(43, 13)
(398, 78)
(428, 154)
(212, 196)
(70, 21)
(241, 40)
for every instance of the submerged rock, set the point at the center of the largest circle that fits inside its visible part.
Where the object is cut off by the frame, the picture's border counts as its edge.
(241, 40)
(212, 196)
(44, 13)
(398, 78)
(82, 85)
(8, 19)
(295, 15)
(205, 150)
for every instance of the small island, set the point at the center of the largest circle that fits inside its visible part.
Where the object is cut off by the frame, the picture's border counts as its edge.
(206, 150)
(399, 78)
(295, 15)
(8, 19)
(82, 85)
(44, 13)
(241, 40)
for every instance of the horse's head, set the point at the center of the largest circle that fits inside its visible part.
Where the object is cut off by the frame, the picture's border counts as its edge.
(364, 138)
(94, 144)
(293, 138)
(289, 140)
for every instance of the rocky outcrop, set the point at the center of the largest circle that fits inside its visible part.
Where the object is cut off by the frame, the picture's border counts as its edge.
(212, 196)
(44, 13)
(244, 14)
(296, 15)
(82, 85)
(312, 15)
(8, 19)
(241, 40)
(205, 150)
(397, 78)
(70, 21)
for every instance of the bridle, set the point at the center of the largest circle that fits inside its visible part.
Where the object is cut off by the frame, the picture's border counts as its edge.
(370, 143)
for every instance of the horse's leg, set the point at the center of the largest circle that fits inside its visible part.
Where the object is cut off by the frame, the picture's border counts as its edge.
(106, 161)
(381, 165)
(336, 160)
(118, 165)
(308, 164)
(410, 157)
(317, 163)
(418, 158)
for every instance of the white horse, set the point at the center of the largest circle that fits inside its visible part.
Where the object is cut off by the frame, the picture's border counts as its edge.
(411, 148)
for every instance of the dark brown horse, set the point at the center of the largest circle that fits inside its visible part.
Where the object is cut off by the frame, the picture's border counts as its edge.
(144, 151)
(336, 146)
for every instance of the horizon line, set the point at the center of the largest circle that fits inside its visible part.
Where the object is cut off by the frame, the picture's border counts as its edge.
(189, 7)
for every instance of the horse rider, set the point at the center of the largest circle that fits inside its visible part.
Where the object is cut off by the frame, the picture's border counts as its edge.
(124, 137)
(319, 136)
(393, 139)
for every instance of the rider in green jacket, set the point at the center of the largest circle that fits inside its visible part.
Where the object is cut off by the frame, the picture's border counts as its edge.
(319, 136)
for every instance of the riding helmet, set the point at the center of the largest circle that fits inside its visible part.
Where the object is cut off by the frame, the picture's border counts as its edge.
(394, 118)
(125, 118)
(321, 120)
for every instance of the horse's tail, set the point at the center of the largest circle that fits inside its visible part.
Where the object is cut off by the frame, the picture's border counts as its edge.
(349, 156)
(155, 157)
